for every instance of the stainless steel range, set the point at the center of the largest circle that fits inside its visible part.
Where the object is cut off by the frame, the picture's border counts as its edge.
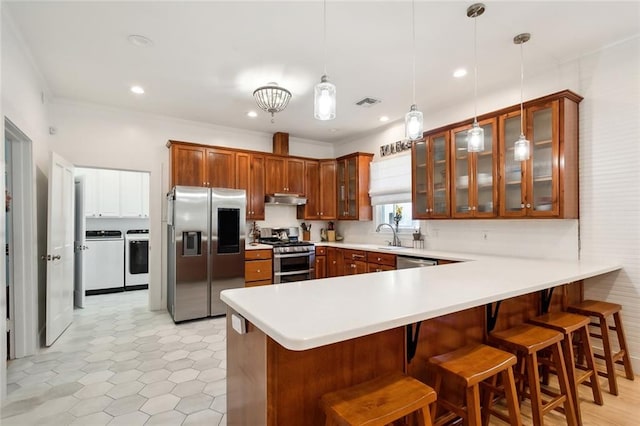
(293, 260)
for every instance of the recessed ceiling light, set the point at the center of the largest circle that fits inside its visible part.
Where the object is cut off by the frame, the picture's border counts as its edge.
(140, 40)
(384, 118)
(459, 73)
(252, 114)
(137, 90)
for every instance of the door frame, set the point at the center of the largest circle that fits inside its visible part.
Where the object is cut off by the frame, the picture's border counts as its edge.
(24, 254)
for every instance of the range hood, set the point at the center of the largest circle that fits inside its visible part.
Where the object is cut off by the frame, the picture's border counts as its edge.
(290, 199)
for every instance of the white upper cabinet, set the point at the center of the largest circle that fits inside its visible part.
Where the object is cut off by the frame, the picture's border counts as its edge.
(114, 193)
(134, 194)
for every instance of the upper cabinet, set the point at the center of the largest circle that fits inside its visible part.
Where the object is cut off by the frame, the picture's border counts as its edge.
(430, 176)
(473, 192)
(193, 165)
(320, 189)
(115, 193)
(220, 168)
(187, 163)
(284, 175)
(250, 177)
(546, 185)
(353, 187)
(490, 183)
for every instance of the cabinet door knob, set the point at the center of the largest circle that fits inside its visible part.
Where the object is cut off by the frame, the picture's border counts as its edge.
(528, 205)
(258, 270)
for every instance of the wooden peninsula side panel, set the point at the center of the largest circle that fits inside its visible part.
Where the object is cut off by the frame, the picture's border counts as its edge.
(270, 385)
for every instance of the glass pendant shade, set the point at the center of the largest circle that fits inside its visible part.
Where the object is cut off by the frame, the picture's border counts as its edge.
(324, 100)
(413, 123)
(521, 149)
(475, 138)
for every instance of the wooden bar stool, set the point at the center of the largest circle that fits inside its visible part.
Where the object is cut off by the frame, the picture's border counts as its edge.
(569, 325)
(604, 310)
(473, 365)
(526, 341)
(379, 402)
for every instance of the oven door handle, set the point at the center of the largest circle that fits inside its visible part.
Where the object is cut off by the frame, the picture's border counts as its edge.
(298, 272)
(297, 254)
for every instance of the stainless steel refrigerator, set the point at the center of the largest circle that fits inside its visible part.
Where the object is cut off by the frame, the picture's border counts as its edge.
(206, 238)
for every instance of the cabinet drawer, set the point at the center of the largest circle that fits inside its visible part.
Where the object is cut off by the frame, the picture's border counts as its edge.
(258, 283)
(381, 258)
(350, 255)
(257, 270)
(258, 254)
(376, 267)
(321, 251)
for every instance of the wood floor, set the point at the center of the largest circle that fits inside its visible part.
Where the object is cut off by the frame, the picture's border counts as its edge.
(621, 410)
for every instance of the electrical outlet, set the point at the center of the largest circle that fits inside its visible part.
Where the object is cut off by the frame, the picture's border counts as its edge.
(485, 235)
(434, 233)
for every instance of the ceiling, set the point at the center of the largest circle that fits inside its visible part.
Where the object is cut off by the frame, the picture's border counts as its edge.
(208, 57)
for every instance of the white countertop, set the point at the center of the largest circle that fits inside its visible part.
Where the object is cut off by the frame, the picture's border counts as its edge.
(309, 314)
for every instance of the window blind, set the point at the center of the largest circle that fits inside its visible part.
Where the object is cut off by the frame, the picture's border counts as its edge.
(390, 180)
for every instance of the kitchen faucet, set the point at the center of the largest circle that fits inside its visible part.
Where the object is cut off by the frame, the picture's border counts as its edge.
(396, 240)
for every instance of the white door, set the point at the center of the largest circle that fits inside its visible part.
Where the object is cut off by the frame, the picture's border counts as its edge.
(59, 257)
(79, 245)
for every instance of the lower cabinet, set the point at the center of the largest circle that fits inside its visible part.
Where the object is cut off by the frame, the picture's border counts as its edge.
(355, 262)
(378, 262)
(321, 262)
(258, 267)
(335, 262)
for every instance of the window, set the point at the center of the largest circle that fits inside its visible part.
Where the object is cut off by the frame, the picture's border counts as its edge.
(385, 213)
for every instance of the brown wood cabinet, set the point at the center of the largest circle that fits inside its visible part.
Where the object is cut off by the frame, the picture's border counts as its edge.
(355, 262)
(354, 202)
(320, 189)
(335, 262)
(546, 185)
(258, 267)
(186, 162)
(250, 177)
(284, 175)
(321, 262)
(378, 262)
(473, 189)
(431, 176)
(194, 165)
(491, 183)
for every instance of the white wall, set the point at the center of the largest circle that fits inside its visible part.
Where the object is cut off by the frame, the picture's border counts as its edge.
(610, 177)
(24, 103)
(609, 228)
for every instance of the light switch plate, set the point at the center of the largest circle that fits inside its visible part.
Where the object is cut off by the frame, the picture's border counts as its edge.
(238, 323)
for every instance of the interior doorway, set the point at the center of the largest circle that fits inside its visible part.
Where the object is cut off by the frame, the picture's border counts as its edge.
(20, 249)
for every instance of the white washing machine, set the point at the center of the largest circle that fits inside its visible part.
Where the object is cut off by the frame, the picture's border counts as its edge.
(103, 262)
(136, 262)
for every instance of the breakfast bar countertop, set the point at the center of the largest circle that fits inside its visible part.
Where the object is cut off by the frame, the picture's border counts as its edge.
(309, 314)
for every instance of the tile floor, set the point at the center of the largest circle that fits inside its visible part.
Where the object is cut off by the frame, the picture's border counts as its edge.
(120, 364)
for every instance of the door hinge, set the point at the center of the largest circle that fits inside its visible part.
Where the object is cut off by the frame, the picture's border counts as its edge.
(9, 325)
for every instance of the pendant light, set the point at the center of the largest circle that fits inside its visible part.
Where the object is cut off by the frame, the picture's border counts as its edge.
(413, 120)
(521, 149)
(475, 135)
(324, 94)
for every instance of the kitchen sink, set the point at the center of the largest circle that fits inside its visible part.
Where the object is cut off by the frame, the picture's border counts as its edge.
(393, 248)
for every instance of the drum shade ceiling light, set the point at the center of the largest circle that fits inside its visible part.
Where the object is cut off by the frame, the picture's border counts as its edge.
(521, 148)
(272, 98)
(475, 135)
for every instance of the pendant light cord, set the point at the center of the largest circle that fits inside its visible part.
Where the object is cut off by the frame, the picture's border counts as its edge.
(521, 90)
(324, 34)
(475, 70)
(413, 36)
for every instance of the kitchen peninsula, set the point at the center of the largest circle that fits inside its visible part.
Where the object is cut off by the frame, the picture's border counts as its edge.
(307, 338)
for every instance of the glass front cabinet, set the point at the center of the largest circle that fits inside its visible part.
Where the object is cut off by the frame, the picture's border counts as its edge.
(473, 189)
(545, 185)
(449, 182)
(431, 177)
